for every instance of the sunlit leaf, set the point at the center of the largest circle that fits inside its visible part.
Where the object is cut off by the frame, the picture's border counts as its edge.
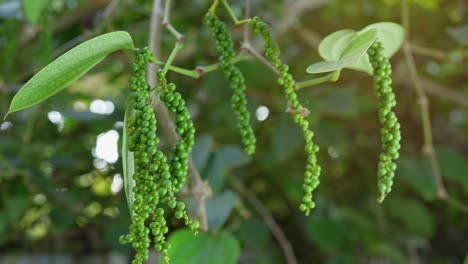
(68, 68)
(391, 35)
(332, 48)
(333, 45)
(356, 48)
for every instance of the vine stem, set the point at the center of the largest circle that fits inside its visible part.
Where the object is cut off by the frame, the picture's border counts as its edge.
(200, 189)
(423, 102)
(246, 47)
(199, 71)
(167, 23)
(177, 47)
(233, 15)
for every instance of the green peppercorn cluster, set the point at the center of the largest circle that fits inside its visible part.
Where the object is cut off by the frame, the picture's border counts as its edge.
(184, 128)
(225, 47)
(272, 53)
(153, 181)
(390, 133)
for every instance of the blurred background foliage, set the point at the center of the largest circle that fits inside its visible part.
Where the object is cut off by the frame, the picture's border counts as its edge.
(60, 169)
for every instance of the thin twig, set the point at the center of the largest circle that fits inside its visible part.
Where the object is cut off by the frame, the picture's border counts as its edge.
(430, 52)
(434, 89)
(248, 48)
(435, 53)
(200, 189)
(423, 102)
(269, 221)
(167, 22)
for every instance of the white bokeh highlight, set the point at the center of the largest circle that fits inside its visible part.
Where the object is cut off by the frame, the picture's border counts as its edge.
(117, 183)
(102, 107)
(262, 113)
(107, 146)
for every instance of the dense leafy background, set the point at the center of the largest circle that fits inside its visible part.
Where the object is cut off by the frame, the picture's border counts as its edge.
(56, 196)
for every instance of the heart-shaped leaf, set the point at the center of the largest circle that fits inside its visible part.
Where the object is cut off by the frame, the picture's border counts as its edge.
(68, 68)
(356, 48)
(333, 45)
(391, 35)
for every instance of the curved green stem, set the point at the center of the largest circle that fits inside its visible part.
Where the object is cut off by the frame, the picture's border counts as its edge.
(214, 6)
(233, 15)
(200, 70)
(177, 47)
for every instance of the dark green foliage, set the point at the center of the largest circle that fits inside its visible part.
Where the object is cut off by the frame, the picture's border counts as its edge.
(154, 185)
(225, 47)
(312, 172)
(390, 134)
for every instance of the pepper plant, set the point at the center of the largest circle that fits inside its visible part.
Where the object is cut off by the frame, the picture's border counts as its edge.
(153, 179)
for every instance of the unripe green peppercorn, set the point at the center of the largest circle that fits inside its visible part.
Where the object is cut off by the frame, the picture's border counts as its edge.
(272, 53)
(153, 184)
(225, 47)
(390, 133)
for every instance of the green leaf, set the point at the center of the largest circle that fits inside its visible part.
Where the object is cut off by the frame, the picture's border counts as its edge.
(452, 164)
(391, 35)
(284, 149)
(333, 45)
(128, 162)
(356, 48)
(417, 174)
(201, 151)
(339, 102)
(325, 232)
(233, 156)
(412, 214)
(254, 234)
(68, 68)
(33, 9)
(215, 172)
(222, 248)
(16, 207)
(219, 208)
(391, 253)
